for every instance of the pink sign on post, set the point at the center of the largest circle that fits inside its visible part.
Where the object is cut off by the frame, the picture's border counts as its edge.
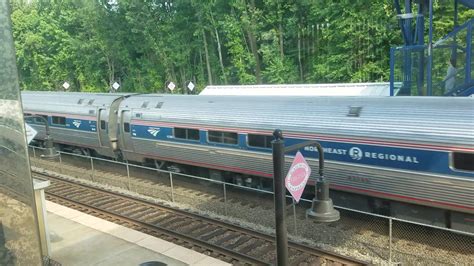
(297, 176)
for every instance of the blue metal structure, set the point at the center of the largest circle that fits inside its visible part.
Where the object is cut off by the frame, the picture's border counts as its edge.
(421, 67)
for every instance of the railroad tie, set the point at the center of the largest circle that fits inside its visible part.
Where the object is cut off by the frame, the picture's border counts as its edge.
(212, 234)
(239, 242)
(225, 239)
(252, 246)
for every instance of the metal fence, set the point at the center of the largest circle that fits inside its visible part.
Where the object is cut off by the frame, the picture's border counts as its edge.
(365, 234)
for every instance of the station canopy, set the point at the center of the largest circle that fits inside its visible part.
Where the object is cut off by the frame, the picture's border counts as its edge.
(331, 89)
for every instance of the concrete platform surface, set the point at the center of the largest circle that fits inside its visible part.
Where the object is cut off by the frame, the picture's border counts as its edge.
(81, 239)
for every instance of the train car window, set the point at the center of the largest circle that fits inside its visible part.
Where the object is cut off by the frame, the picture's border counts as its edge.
(91, 102)
(126, 127)
(230, 138)
(59, 120)
(193, 134)
(222, 137)
(145, 104)
(463, 161)
(186, 133)
(260, 141)
(80, 101)
(215, 136)
(39, 120)
(102, 124)
(27, 118)
(180, 133)
(158, 105)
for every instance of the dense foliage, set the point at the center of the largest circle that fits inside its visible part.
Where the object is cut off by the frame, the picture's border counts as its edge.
(142, 44)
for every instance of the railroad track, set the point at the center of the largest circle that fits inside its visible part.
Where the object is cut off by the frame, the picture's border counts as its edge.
(364, 236)
(233, 244)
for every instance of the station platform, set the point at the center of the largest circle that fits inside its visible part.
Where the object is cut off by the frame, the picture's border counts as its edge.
(80, 239)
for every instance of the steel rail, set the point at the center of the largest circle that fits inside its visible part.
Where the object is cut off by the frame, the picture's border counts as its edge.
(161, 230)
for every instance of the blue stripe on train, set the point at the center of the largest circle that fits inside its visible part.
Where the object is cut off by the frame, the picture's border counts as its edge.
(372, 155)
(71, 123)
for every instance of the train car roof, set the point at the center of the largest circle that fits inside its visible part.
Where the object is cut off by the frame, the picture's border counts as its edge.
(424, 119)
(71, 98)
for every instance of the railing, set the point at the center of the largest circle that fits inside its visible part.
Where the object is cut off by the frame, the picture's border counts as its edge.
(387, 238)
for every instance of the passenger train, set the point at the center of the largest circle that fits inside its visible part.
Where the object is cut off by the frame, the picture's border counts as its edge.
(409, 157)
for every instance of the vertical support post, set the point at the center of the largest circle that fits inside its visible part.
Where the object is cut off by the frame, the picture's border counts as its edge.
(278, 148)
(455, 17)
(60, 163)
(421, 53)
(390, 240)
(172, 188)
(39, 187)
(419, 26)
(225, 200)
(402, 24)
(392, 71)
(92, 169)
(430, 53)
(408, 23)
(468, 53)
(34, 152)
(2, 236)
(456, 24)
(294, 216)
(128, 176)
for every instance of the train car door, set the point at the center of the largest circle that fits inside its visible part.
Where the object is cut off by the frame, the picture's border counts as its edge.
(103, 135)
(126, 130)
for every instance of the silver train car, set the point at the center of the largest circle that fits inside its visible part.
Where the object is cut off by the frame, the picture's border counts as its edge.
(410, 157)
(78, 121)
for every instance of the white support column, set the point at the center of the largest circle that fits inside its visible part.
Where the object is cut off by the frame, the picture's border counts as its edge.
(39, 186)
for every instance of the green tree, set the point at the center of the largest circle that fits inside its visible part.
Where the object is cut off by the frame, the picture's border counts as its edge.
(144, 44)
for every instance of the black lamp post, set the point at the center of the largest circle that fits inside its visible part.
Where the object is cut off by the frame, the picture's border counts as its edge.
(49, 152)
(322, 209)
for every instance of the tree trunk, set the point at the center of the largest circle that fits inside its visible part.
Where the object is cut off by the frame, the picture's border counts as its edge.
(111, 71)
(182, 73)
(173, 76)
(316, 51)
(253, 47)
(280, 33)
(303, 44)
(200, 64)
(219, 50)
(245, 42)
(208, 64)
(253, 44)
(299, 54)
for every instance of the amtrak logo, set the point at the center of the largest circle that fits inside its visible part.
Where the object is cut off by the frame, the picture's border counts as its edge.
(153, 131)
(76, 123)
(355, 153)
